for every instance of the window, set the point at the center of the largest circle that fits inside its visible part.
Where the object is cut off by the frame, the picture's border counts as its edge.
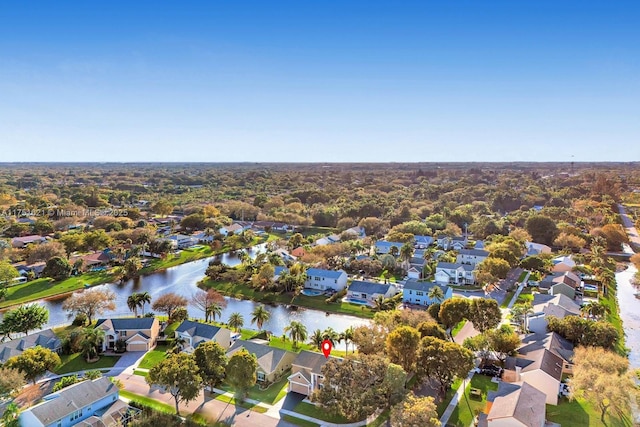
(123, 333)
(410, 292)
(419, 293)
(261, 376)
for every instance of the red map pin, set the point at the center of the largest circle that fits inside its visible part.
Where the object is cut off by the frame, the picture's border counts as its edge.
(326, 348)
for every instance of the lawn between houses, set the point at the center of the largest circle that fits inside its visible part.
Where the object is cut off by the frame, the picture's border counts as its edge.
(75, 362)
(242, 291)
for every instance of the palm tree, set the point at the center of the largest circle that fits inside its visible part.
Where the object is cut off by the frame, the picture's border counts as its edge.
(520, 312)
(316, 339)
(406, 253)
(259, 316)
(297, 332)
(212, 311)
(236, 321)
(595, 309)
(91, 340)
(436, 294)
(347, 337)
(394, 251)
(177, 345)
(144, 298)
(133, 302)
(331, 335)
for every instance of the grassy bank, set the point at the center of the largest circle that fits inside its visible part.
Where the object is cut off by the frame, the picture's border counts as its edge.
(242, 291)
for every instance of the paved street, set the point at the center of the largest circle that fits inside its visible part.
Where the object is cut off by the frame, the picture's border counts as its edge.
(628, 224)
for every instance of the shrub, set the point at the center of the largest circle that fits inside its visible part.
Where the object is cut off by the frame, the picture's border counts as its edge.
(66, 382)
(121, 346)
(79, 320)
(178, 315)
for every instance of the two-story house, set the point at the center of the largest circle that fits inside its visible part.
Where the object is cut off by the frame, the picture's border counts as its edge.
(272, 361)
(448, 243)
(455, 274)
(471, 256)
(15, 347)
(322, 280)
(139, 333)
(93, 402)
(306, 373)
(558, 306)
(194, 333)
(415, 292)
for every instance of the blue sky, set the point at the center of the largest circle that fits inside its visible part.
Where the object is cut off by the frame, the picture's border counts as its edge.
(320, 81)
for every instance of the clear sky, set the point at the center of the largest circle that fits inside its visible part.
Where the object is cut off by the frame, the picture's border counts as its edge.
(328, 80)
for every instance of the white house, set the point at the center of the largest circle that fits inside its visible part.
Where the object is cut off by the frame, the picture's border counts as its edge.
(415, 292)
(422, 242)
(369, 291)
(563, 263)
(448, 243)
(139, 333)
(471, 256)
(384, 247)
(325, 279)
(182, 241)
(455, 274)
(536, 249)
(231, 229)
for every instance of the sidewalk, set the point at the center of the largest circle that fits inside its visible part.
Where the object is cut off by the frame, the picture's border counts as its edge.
(456, 398)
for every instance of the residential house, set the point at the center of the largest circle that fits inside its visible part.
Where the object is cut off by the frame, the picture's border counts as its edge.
(416, 264)
(15, 347)
(448, 243)
(536, 249)
(203, 237)
(479, 244)
(471, 256)
(369, 291)
(561, 283)
(277, 271)
(540, 368)
(414, 273)
(95, 259)
(299, 252)
(359, 232)
(514, 406)
(563, 263)
(285, 255)
(552, 342)
(455, 273)
(79, 404)
(182, 241)
(24, 241)
(325, 279)
(306, 373)
(559, 306)
(384, 247)
(37, 268)
(231, 229)
(272, 362)
(422, 242)
(415, 292)
(273, 225)
(139, 333)
(195, 333)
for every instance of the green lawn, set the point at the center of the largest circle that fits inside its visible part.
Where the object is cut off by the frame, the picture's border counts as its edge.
(140, 373)
(169, 331)
(43, 288)
(271, 395)
(522, 276)
(75, 362)
(381, 420)
(318, 413)
(507, 299)
(458, 327)
(468, 407)
(153, 357)
(298, 421)
(581, 413)
(158, 406)
(442, 405)
(525, 296)
(243, 291)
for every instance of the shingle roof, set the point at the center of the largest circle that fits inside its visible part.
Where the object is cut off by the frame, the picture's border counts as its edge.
(128, 323)
(369, 287)
(414, 285)
(524, 403)
(312, 361)
(542, 359)
(46, 339)
(329, 274)
(385, 244)
(551, 341)
(475, 252)
(73, 398)
(455, 266)
(198, 331)
(278, 270)
(268, 357)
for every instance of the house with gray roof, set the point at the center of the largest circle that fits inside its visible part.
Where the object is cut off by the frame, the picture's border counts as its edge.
(74, 405)
(471, 256)
(323, 280)
(544, 305)
(552, 342)
(139, 333)
(194, 333)
(514, 405)
(272, 362)
(15, 347)
(384, 247)
(367, 292)
(306, 372)
(422, 242)
(415, 292)
(455, 273)
(541, 368)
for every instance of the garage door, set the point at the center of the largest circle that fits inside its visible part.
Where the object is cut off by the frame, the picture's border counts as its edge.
(298, 388)
(137, 347)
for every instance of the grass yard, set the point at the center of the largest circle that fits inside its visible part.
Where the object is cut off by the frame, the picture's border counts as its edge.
(507, 299)
(440, 408)
(522, 276)
(298, 421)
(246, 405)
(140, 373)
(169, 331)
(243, 291)
(581, 413)
(271, 395)
(468, 407)
(153, 357)
(525, 296)
(315, 412)
(45, 287)
(458, 327)
(158, 406)
(381, 420)
(75, 362)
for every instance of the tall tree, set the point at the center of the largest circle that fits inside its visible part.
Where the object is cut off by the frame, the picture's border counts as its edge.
(7, 272)
(169, 302)
(241, 372)
(297, 332)
(57, 268)
(236, 321)
(259, 315)
(133, 303)
(212, 361)
(436, 294)
(34, 362)
(442, 361)
(370, 339)
(452, 312)
(415, 411)
(347, 337)
(211, 302)
(402, 345)
(25, 318)
(143, 299)
(179, 375)
(90, 303)
(10, 381)
(484, 313)
(91, 339)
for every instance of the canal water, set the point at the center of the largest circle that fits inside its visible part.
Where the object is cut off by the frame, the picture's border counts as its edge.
(183, 280)
(630, 313)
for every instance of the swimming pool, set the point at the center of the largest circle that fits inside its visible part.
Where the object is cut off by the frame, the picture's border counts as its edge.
(357, 301)
(311, 292)
(591, 288)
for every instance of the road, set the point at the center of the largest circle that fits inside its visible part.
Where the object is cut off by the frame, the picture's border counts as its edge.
(629, 226)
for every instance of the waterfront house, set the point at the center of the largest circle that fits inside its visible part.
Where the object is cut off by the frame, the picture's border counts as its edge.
(306, 373)
(370, 291)
(195, 333)
(16, 346)
(231, 229)
(552, 342)
(272, 362)
(415, 292)
(541, 368)
(322, 280)
(559, 306)
(139, 333)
